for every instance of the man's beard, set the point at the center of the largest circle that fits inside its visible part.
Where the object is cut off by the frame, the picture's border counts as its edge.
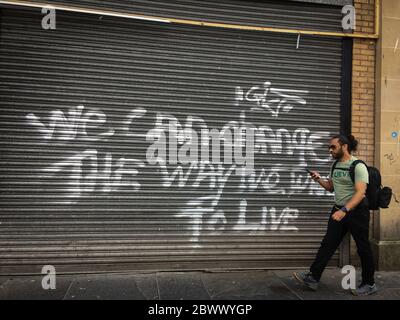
(338, 155)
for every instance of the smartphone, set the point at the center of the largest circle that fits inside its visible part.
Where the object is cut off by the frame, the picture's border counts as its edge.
(308, 171)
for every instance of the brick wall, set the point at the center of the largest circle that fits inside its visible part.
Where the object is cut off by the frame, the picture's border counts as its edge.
(363, 91)
(363, 84)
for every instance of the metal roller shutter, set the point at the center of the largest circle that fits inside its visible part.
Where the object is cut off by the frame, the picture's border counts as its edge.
(76, 188)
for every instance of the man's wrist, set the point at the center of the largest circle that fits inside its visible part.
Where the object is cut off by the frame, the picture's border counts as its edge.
(344, 209)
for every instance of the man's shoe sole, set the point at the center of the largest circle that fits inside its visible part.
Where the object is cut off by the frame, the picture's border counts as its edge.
(301, 281)
(363, 294)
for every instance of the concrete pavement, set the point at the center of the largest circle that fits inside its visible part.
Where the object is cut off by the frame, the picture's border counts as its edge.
(232, 285)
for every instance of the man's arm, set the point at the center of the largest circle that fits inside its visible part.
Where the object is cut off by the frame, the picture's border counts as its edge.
(358, 196)
(361, 188)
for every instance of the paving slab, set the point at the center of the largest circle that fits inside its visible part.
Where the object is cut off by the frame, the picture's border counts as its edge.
(254, 285)
(30, 288)
(390, 280)
(388, 284)
(147, 285)
(329, 288)
(181, 286)
(390, 294)
(112, 287)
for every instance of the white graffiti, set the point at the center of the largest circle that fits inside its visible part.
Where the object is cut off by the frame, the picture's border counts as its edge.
(269, 181)
(300, 182)
(67, 127)
(271, 99)
(201, 172)
(300, 142)
(266, 179)
(134, 114)
(185, 146)
(203, 212)
(186, 162)
(276, 222)
(82, 182)
(196, 209)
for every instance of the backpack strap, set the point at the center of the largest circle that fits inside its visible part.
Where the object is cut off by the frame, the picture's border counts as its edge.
(353, 168)
(333, 167)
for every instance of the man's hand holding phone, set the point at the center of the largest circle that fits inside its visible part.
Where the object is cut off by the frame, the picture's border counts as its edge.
(314, 175)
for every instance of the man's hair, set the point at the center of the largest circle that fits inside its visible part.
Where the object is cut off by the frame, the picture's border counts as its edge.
(349, 140)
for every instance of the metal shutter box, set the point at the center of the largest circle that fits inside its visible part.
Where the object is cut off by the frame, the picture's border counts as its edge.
(270, 13)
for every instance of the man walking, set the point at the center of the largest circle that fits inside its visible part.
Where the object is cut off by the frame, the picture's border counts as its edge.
(349, 214)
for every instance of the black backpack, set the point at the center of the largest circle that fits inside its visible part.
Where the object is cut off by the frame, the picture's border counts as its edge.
(378, 196)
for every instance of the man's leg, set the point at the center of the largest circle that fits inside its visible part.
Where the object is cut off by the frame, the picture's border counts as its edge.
(359, 228)
(333, 237)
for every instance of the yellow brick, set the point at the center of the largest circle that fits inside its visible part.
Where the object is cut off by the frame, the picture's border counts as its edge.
(367, 52)
(360, 57)
(365, 119)
(359, 79)
(367, 29)
(360, 90)
(358, 112)
(367, 6)
(360, 68)
(368, 85)
(362, 45)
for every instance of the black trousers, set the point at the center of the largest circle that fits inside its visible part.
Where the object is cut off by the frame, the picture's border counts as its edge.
(357, 223)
